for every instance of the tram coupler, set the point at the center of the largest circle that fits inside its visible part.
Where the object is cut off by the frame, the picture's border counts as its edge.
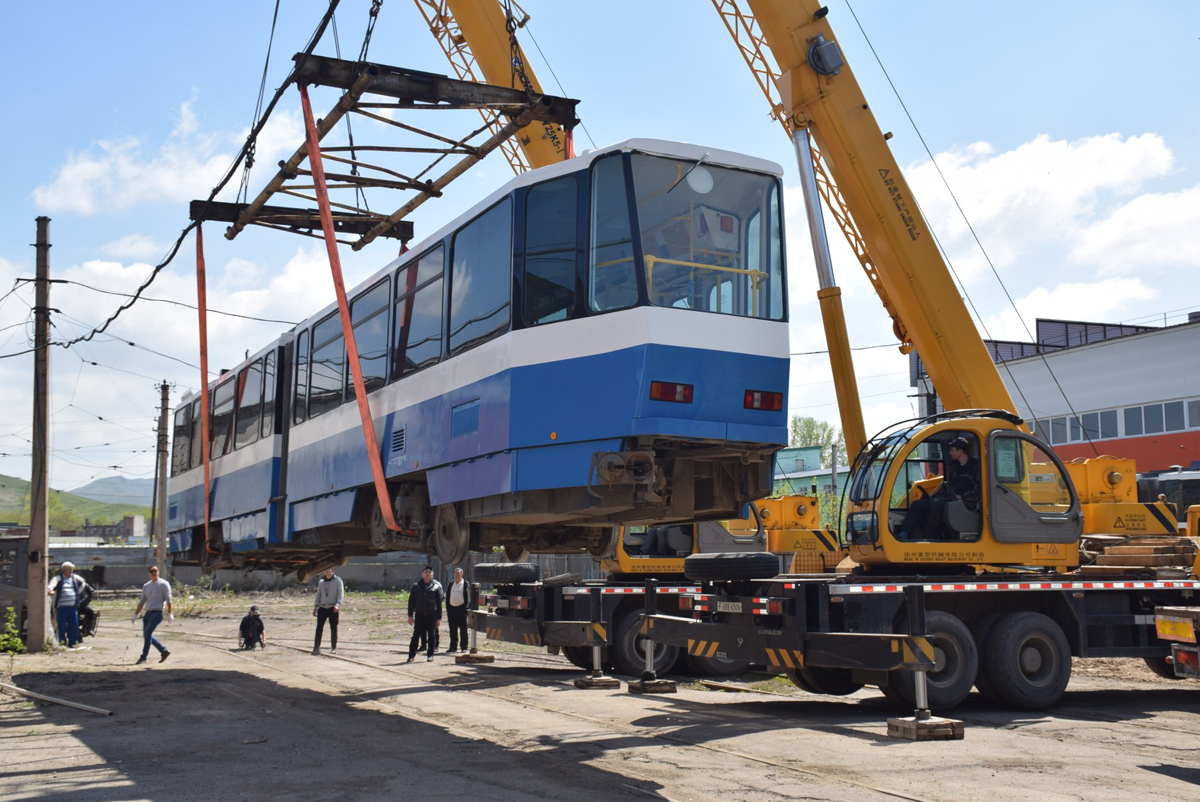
(596, 679)
(922, 725)
(474, 657)
(650, 683)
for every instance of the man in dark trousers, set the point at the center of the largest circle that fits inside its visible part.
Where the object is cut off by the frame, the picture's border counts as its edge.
(424, 612)
(327, 603)
(459, 599)
(924, 516)
(252, 630)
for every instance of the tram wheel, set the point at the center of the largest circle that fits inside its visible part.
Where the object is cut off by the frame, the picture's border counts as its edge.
(605, 546)
(450, 538)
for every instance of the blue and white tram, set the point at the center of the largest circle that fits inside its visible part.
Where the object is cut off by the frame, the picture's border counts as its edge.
(599, 342)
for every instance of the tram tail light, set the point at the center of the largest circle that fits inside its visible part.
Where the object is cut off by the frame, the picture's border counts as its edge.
(671, 391)
(758, 399)
(774, 606)
(685, 602)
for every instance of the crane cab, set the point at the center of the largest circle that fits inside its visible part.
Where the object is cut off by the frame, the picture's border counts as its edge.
(962, 488)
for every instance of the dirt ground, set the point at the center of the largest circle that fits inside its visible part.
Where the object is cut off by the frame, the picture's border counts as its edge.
(213, 722)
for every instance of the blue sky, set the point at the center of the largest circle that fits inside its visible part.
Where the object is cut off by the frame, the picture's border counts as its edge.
(1066, 130)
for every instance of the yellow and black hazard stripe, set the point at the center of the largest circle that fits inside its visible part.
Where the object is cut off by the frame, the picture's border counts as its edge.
(703, 648)
(785, 658)
(1169, 526)
(529, 638)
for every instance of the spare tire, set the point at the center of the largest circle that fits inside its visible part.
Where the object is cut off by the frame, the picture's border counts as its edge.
(735, 565)
(506, 573)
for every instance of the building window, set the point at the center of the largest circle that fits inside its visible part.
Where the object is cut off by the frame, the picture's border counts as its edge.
(1108, 423)
(1173, 414)
(1091, 426)
(1058, 431)
(481, 278)
(1194, 414)
(1133, 421)
(1042, 429)
(1152, 415)
(1076, 430)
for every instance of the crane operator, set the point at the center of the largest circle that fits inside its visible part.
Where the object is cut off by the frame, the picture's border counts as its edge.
(925, 515)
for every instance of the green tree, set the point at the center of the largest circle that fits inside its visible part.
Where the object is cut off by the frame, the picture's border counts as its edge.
(808, 431)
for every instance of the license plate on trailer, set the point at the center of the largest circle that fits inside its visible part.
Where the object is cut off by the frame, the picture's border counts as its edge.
(502, 604)
(729, 607)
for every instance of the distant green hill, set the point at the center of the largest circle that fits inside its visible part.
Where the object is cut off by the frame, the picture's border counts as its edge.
(67, 511)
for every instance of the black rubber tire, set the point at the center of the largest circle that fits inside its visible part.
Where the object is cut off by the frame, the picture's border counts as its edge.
(892, 693)
(827, 681)
(717, 666)
(735, 565)
(516, 553)
(506, 573)
(800, 681)
(627, 653)
(1029, 661)
(580, 656)
(958, 661)
(1162, 666)
(981, 632)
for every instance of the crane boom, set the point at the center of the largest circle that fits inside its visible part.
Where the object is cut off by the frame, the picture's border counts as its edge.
(818, 93)
(478, 38)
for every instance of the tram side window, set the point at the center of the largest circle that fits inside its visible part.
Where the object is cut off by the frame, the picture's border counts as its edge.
(550, 237)
(268, 416)
(418, 331)
(222, 419)
(612, 272)
(369, 316)
(300, 395)
(249, 407)
(328, 357)
(197, 433)
(481, 278)
(181, 441)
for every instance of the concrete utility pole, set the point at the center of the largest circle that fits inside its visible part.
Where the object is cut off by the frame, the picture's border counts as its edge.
(39, 528)
(160, 518)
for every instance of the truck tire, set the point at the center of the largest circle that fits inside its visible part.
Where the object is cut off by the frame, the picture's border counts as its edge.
(957, 664)
(735, 565)
(506, 573)
(629, 651)
(717, 666)
(580, 656)
(1162, 666)
(827, 681)
(981, 632)
(1028, 661)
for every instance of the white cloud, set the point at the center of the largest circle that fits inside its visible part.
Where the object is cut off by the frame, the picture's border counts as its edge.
(1150, 234)
(1106, 300)
(134, 246)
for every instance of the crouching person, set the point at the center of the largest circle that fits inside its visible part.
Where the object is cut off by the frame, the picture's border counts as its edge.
(252, 632)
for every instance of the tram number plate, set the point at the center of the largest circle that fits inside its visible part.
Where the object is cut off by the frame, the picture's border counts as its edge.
(729, 607)
(502, 604)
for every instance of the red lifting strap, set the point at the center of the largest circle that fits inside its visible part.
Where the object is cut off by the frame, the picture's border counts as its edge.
(202, 305)
(335, 266)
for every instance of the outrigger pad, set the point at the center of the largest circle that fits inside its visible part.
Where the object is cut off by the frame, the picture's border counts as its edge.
(593, 683)
(474, 658)
(653, 686)
(925, 729)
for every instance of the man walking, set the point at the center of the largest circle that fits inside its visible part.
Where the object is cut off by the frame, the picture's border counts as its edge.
(459, 599)
(331, 592)
(425, 609)
(156, 594)
(67, 589)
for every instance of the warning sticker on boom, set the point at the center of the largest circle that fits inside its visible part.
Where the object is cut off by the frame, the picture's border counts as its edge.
(901, 204)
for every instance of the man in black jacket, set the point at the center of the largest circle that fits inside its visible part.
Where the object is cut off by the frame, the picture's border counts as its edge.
(424, 612)
(923, 521)
(251, 631)
(460, 597)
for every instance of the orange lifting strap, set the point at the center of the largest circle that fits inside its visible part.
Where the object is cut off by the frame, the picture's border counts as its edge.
(202, 305)
(335, 266)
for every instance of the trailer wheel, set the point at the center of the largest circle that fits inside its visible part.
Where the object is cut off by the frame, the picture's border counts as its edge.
(717, 666)
(826, 681)
(516, 553)
(745, 565)
(1162, 666)
(450, 538)
(1028, 660)
(506, 573)
(955, 668)
(981, 632)
(629, 648)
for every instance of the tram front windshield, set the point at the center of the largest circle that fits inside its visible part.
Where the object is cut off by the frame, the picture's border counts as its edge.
(711, 238)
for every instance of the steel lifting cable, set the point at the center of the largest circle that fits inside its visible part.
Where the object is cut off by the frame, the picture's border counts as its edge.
(360, 391)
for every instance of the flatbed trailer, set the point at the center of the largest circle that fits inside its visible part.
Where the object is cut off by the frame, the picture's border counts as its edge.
(1010, 636)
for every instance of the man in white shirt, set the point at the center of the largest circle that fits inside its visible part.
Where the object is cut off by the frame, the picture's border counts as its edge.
(156, 595)
(459, 600)
(67, 591)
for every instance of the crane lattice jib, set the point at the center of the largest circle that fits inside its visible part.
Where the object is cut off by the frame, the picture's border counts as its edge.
(747, 35)
(825, 99)
(478, 38)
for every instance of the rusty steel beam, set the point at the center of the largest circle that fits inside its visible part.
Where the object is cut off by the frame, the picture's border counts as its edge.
(424, 89)
(306, 219)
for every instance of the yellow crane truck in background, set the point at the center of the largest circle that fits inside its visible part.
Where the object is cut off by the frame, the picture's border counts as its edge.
(1006, 608)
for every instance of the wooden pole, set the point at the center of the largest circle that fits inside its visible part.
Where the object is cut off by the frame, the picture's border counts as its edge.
(39, 527)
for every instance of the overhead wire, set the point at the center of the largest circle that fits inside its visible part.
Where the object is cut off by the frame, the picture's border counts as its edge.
(179, 303)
